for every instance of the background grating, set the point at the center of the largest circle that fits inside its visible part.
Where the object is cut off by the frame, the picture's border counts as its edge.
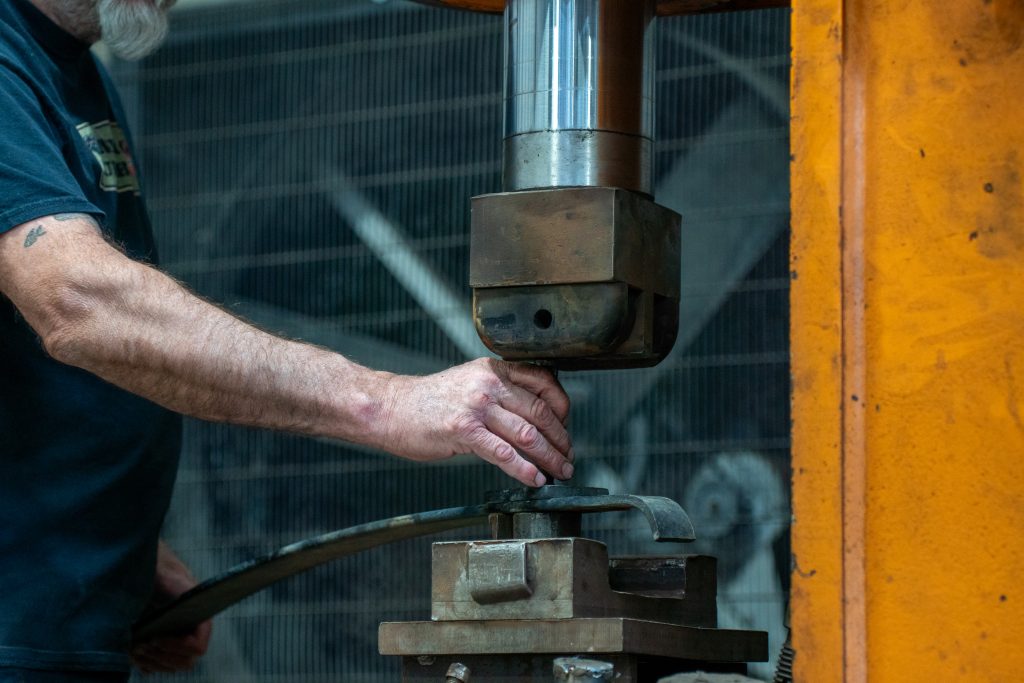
(308, 164)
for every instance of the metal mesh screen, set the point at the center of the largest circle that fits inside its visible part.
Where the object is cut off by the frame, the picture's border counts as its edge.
(309, 164)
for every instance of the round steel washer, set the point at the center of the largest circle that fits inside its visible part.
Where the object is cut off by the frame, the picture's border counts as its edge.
(665, 7)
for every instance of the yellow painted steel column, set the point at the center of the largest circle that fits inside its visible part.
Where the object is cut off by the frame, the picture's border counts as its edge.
(816, 598)
(908, 340)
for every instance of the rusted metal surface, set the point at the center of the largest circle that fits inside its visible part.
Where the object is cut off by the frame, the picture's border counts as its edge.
(665, 7)
(582, 277)
(562, 578)
(574, 235)
(575, 326)
(674, 576)
(561, 637)
(668, 523)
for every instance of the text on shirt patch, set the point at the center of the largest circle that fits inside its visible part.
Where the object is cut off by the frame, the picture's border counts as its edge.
(108, 144)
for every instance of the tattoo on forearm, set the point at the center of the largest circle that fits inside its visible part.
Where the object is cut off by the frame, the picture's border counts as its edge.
(33, 235)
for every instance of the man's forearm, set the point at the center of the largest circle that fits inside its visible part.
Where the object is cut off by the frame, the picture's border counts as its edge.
(137, 328)
(154, 338)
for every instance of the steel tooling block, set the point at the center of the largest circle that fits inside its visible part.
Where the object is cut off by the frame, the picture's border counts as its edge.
(566, 578)
(583, 277)
(573, 236)
(560, 636)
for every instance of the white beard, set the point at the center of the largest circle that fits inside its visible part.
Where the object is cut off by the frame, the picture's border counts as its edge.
(133, 29)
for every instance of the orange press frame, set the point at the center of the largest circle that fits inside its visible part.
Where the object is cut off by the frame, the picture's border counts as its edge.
(907, 330)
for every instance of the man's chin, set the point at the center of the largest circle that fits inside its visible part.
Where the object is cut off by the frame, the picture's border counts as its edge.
(132, 52)
(133, 30)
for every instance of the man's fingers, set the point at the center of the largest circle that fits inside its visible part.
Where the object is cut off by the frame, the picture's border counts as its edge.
(542, 383)
(499, 452)
(202, 635)
(527, 438)
(538, 412)
(173, 653)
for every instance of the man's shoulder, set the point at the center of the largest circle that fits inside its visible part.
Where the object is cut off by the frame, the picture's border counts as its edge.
(16, 47)
(18, 65)
(21, 88)
(28, 80)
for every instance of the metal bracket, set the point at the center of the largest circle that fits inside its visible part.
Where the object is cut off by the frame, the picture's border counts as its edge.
(668, 521)
(497, 572)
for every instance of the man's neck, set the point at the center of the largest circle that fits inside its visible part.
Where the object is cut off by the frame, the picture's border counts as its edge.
(77, 17)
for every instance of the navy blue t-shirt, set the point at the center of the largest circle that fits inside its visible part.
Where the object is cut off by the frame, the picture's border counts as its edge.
(86, 469)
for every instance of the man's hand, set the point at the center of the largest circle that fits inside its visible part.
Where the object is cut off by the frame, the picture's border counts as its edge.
(172, 653)
(500, 411)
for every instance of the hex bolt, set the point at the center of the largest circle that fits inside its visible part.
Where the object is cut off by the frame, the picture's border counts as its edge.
(457, 673)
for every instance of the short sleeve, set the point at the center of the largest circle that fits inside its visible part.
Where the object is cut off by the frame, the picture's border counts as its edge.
(35, 179)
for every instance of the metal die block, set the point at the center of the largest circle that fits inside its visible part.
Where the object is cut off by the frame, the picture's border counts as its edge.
(673, 576)
(574, 235)
(563, 636)
(565, 578)
(575, 273)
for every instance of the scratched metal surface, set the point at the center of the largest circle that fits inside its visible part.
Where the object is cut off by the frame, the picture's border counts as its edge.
(269, 135)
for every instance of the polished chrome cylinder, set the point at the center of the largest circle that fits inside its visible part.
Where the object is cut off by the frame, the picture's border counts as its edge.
(579, 94)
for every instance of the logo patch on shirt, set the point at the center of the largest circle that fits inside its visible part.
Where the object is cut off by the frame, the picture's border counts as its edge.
(109, 145)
